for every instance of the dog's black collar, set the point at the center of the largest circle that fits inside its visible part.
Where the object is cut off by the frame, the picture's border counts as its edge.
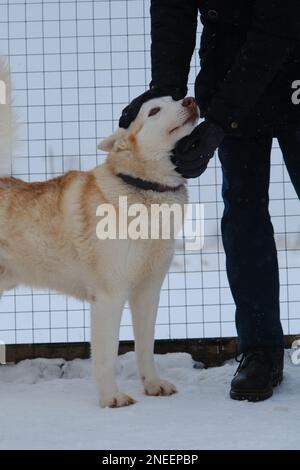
(147, 185)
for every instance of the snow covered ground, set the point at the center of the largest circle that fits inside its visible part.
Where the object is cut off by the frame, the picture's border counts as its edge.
(52, 404)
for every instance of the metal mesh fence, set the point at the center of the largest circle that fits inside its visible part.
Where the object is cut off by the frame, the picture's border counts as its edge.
(75, 65)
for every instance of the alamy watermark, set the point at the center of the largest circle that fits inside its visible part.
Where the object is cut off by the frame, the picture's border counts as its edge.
(296, 93)
(155, 222)
(2, 352)
(2, 92)
(295, 355)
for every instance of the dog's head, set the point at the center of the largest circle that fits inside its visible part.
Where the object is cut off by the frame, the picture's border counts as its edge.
(143, 150)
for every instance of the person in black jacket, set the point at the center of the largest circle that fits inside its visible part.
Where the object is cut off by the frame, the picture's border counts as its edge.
(246, 92)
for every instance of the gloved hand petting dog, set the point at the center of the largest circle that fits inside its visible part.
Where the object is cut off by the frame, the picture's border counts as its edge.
(131, 111)
(192, 153)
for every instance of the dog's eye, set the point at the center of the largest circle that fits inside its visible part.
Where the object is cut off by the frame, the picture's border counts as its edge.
(153, 111)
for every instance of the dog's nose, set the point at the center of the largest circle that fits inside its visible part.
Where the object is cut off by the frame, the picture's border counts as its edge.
(189, 102)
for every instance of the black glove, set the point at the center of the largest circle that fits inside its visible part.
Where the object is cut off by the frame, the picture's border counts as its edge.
(131, 111)
(193, 152)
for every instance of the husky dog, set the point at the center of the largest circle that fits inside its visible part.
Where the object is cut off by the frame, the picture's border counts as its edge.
(48, 235)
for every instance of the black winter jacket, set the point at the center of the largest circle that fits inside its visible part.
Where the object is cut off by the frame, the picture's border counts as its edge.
(249, 57)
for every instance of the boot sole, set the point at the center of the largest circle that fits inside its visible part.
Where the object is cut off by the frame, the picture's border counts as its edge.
(254, 395)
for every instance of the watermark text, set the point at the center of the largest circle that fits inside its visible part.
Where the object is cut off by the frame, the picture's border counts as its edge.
(155, 222)
(2, 352)
(296, 93)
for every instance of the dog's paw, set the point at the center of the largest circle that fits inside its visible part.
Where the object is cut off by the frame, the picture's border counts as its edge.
(116, 400)
(159, 388)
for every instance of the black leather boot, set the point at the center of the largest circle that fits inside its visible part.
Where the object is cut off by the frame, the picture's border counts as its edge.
(259, 371)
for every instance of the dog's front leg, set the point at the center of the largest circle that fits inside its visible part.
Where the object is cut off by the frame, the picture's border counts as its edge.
(144, 302)
(106, 315)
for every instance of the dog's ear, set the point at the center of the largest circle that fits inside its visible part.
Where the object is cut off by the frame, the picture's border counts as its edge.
(117, 141)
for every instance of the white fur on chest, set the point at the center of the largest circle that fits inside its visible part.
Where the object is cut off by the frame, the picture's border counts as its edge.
(128, 261)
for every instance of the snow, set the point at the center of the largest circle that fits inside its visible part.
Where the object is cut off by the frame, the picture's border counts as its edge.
(52, 404)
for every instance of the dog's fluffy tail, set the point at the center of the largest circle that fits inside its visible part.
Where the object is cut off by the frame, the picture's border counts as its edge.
(7, 123)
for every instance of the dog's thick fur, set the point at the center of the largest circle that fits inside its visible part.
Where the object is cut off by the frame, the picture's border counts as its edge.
(48, 239)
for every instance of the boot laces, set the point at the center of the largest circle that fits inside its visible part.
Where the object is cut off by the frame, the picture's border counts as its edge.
(249, 356)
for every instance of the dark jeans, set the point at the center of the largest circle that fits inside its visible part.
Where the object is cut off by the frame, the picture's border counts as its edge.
(248, 235)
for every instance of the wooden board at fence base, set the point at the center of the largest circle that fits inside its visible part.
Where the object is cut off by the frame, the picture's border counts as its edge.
(211, 351)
